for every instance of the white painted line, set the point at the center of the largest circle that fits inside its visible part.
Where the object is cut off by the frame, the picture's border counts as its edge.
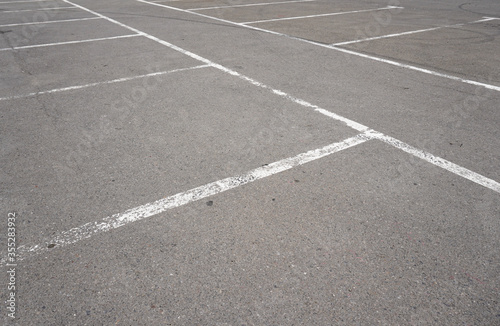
(119, 80)
(69, 42)
(39, 9)
(353, 124)
(320, 15)
(391, 62)
(250, 5)
(388, 35)
(485, 19)
(142, 212)
(442, 163)
(21, 1)
(51, 22)
(350, 123)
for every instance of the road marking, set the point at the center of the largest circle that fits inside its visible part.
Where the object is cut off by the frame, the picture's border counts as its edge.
(148, 210)
(5, 2)
(68, 42)
(250, 5)
(51, 22)
(353, 124)
(391, 62)
(39, 9)
(119, 80)
(442, 163)
(485, 19)
(410, 67)
(320, 15)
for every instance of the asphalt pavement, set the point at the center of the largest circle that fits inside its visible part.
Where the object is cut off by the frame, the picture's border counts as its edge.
(249, 162)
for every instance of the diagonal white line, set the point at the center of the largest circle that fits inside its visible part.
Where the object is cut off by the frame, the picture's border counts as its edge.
(438, 161)
(319, 15)
(119, 80)
(410, 67)
(251, 5)
(148, 210)
(413, 32)
(68, 42)
(5, 2)
(51, 22)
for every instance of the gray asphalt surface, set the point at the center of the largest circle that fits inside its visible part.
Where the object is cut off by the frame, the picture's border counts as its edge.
(96, 120)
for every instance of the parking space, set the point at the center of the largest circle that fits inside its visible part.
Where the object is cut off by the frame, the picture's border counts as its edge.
(53, 34)
(364, 26)
(57, 70)
(222, 4)
(250, 162)
(35, 16)
(253, 14)
(310, 245)
(448, 50)
(106, 155)
(341, 28)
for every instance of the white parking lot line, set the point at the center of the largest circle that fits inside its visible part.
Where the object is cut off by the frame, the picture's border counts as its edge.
(442, 163)
(50, 22)
(39, 9)
(23, 1)
(410, 67)
(251, 5)
(118, 80)
(68, 42)
(139, 213)
(320, 15)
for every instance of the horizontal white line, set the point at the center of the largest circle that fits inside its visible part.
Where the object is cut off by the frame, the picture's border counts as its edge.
(251, 5)
(142, 212)
(39, 9)
(403, 65)
(119, 80)
(5, 2)
(412, 32)
(442, 163)
(50, 22)
(319, 15)
(69, 42)
(387, 36)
